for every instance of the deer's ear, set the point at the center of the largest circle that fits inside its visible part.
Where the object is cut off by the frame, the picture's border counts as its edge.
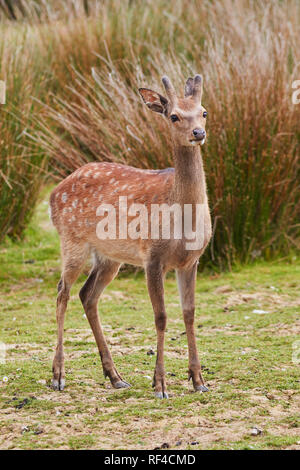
(153, 100)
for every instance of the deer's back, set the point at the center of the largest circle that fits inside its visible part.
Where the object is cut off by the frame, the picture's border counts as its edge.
(74, 202)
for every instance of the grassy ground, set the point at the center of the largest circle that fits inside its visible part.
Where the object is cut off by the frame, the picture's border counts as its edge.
(247, 359)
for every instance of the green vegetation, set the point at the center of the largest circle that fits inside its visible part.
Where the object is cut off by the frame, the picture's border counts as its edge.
(247, 358)
(248, 55)
(72, 70)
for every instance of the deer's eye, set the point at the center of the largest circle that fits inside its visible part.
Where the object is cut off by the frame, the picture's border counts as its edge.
(174, 117)
(205, 114)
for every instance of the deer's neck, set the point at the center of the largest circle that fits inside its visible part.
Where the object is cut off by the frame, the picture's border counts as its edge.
(190, 184)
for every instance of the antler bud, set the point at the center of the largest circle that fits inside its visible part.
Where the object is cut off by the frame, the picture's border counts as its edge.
(189, 87)
(169, 90)
(197, 90)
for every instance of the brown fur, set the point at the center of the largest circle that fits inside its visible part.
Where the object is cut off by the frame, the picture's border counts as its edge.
(73, 209)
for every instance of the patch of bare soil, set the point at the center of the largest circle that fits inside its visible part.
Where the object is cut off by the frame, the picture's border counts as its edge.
(270, 300)
(283, 329)
(63, 422)
(226, 329)
(23, 351)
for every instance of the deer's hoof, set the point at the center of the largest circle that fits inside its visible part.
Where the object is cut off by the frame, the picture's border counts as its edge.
(121, 384)
(201, 388)
(58, 385)
(161, 395)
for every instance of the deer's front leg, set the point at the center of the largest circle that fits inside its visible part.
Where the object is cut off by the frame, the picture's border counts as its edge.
(186, 284)
(155, 285)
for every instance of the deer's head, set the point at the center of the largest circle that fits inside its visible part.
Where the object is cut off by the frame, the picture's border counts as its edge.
(186, 116)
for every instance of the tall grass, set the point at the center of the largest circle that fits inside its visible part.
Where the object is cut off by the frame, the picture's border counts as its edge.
(22, 163)
(249, 55)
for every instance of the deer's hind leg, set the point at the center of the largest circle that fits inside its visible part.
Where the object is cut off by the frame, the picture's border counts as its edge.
(73, 261)
(102, 273)
(155, 280)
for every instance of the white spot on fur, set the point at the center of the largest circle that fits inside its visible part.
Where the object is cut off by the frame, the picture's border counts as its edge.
(74, 203)
(100, 187)
(64, 197)
(108, 173)
(88, 173)
(112, 180)
(73, 187)
(85, 199)
(96, 174)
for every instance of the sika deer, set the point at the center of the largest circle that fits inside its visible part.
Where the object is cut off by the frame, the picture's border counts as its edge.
(76, 215)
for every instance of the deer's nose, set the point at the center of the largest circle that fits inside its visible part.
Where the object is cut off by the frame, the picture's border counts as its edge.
(199, 134)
